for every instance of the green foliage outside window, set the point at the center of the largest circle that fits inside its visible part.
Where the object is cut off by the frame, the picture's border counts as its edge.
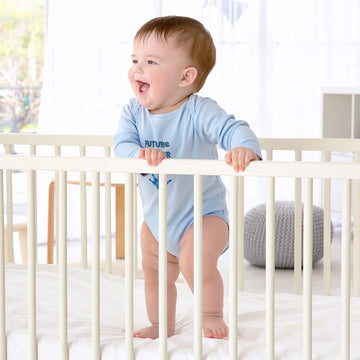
(22, 36)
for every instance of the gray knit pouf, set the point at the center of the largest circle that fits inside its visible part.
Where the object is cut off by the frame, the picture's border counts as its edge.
(255, 234)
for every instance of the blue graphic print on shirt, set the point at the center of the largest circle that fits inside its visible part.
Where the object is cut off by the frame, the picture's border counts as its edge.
(155, 181)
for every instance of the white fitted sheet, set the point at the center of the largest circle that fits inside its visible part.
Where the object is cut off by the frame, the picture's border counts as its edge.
(251, 320)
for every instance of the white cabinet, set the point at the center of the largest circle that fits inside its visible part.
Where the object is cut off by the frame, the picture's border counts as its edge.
(341, 112)
(341, 119)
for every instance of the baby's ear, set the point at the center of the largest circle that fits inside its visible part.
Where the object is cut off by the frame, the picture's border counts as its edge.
(189, 76)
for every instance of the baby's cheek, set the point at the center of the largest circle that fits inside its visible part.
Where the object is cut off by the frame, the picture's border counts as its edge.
(131, 75)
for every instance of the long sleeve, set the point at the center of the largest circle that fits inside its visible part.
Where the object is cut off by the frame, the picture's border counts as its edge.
(215, 125)
(126, 140)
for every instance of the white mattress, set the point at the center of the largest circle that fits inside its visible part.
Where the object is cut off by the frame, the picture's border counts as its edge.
(251, 320)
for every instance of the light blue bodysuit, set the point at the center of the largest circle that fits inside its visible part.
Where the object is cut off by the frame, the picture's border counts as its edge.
(190, 132)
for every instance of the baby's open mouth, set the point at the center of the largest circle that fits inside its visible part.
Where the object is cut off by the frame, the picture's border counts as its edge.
(142, 86)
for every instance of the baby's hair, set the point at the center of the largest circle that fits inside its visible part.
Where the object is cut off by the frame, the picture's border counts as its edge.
(189, 33)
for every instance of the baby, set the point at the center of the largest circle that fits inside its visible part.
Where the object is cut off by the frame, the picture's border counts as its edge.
(172, 57)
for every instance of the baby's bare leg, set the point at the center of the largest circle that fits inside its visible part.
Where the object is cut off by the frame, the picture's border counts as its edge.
(149, 248)
(215, 235)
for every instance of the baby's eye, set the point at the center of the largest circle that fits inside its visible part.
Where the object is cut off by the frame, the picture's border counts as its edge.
(134, 61)
(151, 62)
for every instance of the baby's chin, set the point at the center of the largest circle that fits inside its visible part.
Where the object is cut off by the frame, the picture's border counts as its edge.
(145, 104)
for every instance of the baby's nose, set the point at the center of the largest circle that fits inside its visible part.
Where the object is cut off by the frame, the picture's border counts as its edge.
(138, 68)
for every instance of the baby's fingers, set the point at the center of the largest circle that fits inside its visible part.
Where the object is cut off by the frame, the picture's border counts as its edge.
(249, 157)
(236, 160)
(240, 158)
(156, 157)
(152, 156)
(228, 158)
(142, 154)
(239, 161)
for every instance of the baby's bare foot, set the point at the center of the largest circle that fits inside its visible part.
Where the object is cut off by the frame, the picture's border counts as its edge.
(150, 332)
(214, 326)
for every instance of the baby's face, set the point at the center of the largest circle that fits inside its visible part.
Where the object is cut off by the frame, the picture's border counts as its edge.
(157, 73)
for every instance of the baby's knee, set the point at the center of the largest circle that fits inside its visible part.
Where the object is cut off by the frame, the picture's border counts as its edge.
(173, 273)
(187, 268)
(150, 263)
(209, 269)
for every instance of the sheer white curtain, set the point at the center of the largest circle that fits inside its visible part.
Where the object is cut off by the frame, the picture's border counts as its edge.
(87, 58)
(274, 57)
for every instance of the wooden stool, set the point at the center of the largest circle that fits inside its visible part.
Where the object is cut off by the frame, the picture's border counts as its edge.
(119, 219)
(20, 226)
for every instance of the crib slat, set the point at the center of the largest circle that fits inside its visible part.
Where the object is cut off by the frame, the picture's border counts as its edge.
(31, 210)
(108, 255)
(240, 234)
(307, 291)
(9, 210)
(356, 237)
(233, 280)
(83, 213)
(163, 266)
(327, 230)
(95, 316)
(134, 221)
(57, 152)
(83, 220)
(345, 270)
(198, 267)
(63, 264)
(269, 154)
(3, 350)
(297, 231)
(270, 267)
(33, 152)
(129, 298)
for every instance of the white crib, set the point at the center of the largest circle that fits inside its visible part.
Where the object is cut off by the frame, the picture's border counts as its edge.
(269, 325)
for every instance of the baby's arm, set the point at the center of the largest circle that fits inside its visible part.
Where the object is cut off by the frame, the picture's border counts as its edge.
(152, 156)
(240, 157)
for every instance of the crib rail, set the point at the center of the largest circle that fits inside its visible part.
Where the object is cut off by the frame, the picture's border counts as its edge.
(286, 169)
(267, 169)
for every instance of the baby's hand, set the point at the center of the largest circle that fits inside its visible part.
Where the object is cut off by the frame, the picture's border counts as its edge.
(152, 156)
(239, 158)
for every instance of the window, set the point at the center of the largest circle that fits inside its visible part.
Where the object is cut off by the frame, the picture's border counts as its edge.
(22, 34)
